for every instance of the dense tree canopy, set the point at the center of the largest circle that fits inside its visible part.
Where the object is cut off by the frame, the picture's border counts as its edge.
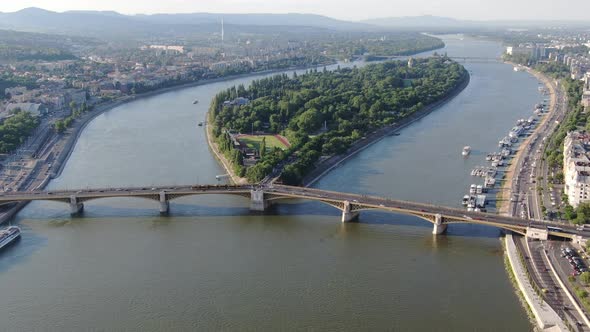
(15, 130)
(324, 112)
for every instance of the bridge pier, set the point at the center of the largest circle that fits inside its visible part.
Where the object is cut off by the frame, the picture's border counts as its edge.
(164, 204)
(347, 215)
(257, 201)
(75, 206)
(536, 233)
(439, 227)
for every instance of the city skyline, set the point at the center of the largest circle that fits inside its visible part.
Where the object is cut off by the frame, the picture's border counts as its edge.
(353, 11)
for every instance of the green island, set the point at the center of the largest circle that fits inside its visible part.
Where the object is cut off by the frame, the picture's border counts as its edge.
(322, 113)
(370, 46)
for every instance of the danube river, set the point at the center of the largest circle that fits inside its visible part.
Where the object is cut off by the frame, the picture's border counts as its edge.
(213, 265)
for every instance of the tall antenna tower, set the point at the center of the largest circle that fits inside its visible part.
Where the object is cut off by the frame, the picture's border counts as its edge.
(222, 32)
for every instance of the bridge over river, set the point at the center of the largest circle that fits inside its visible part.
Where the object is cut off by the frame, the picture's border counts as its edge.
(263, 196)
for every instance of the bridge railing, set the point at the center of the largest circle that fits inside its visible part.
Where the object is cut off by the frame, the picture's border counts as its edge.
(442, 209)
(425, 205)
(135, 189)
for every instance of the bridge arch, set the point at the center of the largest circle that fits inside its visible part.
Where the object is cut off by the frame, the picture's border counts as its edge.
(430, 217)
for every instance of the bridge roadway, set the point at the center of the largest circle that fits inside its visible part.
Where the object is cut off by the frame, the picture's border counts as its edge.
(263, 196)
(475, 59)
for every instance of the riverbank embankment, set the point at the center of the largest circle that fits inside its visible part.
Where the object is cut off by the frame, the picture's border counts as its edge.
(327, 165)
(226, 164)
(545, 316)
(504, 191)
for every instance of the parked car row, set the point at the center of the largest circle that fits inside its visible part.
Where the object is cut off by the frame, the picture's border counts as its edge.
(576, 262)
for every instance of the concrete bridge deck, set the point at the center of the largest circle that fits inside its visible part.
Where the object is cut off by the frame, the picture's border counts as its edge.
(261, 197)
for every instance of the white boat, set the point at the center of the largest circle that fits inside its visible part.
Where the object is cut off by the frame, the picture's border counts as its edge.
(465, 200)
(8, 235)
(466, 150)
(506, 141)
(479, 189)
(472, 189)
(515, 132)
(516, 69)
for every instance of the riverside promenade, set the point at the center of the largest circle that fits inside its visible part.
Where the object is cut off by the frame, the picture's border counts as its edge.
(545, 317)
(505, 191)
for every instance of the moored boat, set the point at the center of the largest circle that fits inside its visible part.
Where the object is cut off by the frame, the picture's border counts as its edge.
(473, 189)
(466, 150)
(8, 235)
(465, 200)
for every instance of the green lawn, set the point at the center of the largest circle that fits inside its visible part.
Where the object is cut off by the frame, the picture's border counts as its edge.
(253, 142)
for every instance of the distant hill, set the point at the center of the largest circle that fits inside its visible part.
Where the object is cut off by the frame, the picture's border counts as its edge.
(426, 21)
(437, 23)
(91, 23)
(308, 20)
(112, 24)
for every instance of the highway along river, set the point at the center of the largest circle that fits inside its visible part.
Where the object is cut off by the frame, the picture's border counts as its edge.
(212, 265)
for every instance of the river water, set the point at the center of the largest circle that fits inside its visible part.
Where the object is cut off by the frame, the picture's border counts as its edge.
(213, 265)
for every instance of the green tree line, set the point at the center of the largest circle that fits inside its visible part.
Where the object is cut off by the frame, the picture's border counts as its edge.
(61, 125)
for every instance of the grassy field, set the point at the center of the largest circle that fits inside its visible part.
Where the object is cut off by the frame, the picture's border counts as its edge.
(253, 142)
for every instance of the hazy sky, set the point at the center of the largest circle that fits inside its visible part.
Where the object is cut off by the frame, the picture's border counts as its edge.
(343, 9)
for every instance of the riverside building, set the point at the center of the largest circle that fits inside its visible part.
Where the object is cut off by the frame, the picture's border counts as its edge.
(576, 167)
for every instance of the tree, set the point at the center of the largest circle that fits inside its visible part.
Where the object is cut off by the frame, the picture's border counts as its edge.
(59, 126)
(73, 106)
(585, 277)
(570, 212)
(582, 213)
(309, 120)
(262, 151)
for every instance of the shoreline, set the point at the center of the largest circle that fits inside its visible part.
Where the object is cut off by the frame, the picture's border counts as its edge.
(225, 164)
(72, 135)
(116, 103)
(325, 166)
(540, 317)
(543, 315)
(504, 204)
